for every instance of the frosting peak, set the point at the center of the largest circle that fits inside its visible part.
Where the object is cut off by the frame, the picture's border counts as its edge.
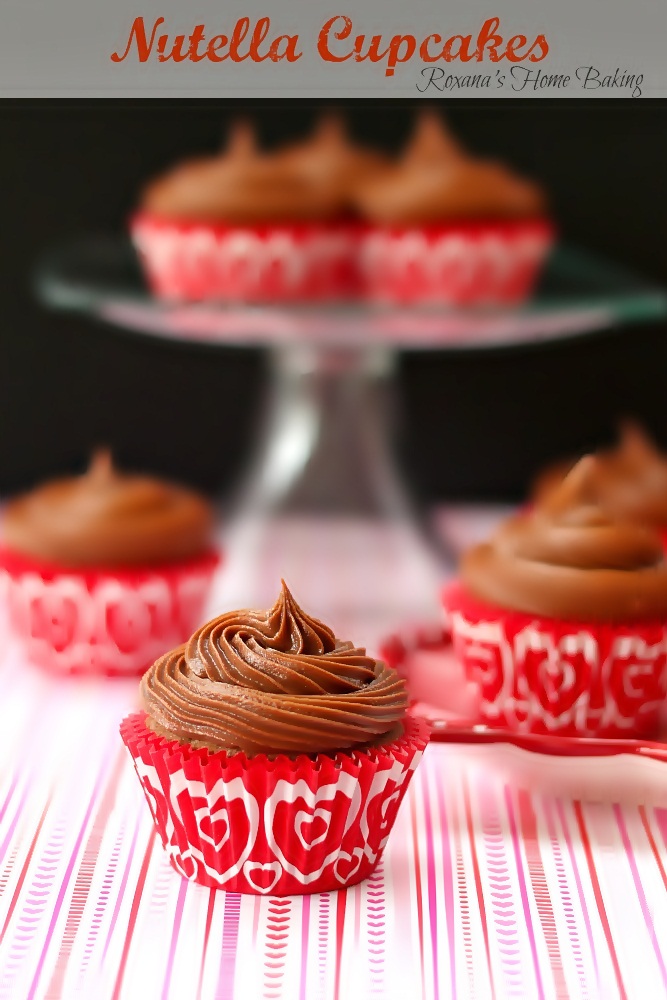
(633, 478)
(272, 681)
(241, 141)
(630, 479)
(331, 162)
(101, 465)
(108, 518)
(570, 557)
(331, 132)
(290, 629)
(431, 141)
(436, 180)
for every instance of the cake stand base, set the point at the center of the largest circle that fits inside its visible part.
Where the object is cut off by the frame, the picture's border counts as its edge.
(325, 483)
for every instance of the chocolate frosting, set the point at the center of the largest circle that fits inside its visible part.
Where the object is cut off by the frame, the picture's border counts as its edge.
(272, 681)
(550, 477)
(630, 479)
(571, 558)
(108, 518)
(436, 180)
(331, 163)
(240, 186)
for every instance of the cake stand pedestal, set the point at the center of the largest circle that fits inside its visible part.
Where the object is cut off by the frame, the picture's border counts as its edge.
(324, 479)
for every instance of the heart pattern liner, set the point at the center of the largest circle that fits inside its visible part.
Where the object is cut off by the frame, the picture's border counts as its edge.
(104, 623)
(443, 693)
(276, 826)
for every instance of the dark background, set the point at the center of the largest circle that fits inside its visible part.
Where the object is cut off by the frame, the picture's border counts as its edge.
(476, 425)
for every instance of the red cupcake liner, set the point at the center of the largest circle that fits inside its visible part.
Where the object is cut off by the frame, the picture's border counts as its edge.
(198, 261)
(281, 826)
(573, 678)
(458, 264)
(114, 622)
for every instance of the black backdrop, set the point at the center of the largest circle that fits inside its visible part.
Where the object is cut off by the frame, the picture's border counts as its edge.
(475, 425)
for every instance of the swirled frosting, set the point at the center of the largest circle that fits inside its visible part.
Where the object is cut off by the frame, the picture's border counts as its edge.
(630, 479)
(331, 163)
(572, 558)
(272, 681)
(239, 186)
(437, 181)
(108, 518)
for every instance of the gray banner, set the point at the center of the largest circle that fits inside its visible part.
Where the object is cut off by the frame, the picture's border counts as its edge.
(151, 48)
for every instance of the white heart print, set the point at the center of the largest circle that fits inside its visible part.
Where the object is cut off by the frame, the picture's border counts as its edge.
(215, 816)
(287, 791)
(304, 818)
(343, 856)
(257, 866)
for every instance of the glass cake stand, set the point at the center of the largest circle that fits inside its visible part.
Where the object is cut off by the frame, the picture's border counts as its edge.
(325, 457)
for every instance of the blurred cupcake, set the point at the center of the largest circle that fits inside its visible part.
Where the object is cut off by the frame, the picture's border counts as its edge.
(561, 618)
(105, 571)
(450, 228)
(630, 479)
(273, 756)
(247, 225)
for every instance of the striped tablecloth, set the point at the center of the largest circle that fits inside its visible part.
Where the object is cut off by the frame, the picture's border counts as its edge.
(487, 888)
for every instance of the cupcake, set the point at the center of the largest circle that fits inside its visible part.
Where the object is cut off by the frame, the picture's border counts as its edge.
(630, 479)
(561, 618)
(449, 228)
(103, 572)
(247, 225)
(273, 756)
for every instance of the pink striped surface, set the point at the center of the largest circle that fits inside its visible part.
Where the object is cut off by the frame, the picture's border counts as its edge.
(488, 888)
